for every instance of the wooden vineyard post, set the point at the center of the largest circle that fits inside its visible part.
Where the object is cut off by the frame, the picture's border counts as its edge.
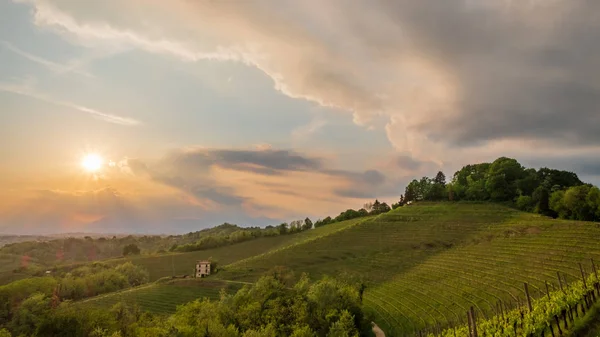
(582, 275)
(594, 269)
(558, 325)
(474, 321)
(560, 281)
(528, 298)
(469, 323)
(547, 290)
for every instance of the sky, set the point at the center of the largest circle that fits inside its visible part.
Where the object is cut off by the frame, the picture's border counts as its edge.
(256, 112)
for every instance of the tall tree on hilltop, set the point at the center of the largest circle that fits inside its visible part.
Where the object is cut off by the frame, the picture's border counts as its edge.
(376, 207)
(440, 178)
(307, 224)
(410, 193)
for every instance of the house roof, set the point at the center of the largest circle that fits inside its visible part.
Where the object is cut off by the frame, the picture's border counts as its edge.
(203, 261)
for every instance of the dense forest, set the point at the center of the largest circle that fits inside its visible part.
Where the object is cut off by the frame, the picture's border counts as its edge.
(273, 306)
(545, 191)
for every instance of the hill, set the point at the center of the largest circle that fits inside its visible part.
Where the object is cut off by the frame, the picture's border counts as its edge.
(428, 262)
(184, 263)
(422, 264)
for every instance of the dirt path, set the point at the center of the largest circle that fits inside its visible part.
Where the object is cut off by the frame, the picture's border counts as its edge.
(377, 330)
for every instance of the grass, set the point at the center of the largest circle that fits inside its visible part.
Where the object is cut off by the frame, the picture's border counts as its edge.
(163, 298)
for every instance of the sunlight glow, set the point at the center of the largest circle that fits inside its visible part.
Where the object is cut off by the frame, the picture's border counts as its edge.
(92, 162)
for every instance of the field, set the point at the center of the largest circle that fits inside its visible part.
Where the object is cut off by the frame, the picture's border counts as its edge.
(427, 263)
(163, 298)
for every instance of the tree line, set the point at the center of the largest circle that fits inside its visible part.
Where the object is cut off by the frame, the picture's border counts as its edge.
(546, 191)
(271, 307)
(240, 234)
(90, 280)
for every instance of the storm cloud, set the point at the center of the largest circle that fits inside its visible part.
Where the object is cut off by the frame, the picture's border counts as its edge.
(447, 74)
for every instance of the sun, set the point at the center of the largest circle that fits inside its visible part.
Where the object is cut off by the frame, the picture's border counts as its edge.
(92, 162)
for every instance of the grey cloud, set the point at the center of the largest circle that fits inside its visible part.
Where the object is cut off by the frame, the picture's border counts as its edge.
(524, 72)
(269, 159)
(368, 184)
(187, 170)
(408, 162)
(267, 162)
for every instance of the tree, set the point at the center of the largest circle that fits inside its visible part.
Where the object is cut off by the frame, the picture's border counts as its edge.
(440, 178)
(131, 249)
(524, 203)
(502, 177)
(307, 224)
(283, 228)
(411, 191)
(368, 206)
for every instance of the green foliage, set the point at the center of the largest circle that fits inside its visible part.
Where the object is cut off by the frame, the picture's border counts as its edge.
(82, 282)
(506, 180)
(266, 308)
(131, 249)
(525, 203)
(577, 203)
(5, 333)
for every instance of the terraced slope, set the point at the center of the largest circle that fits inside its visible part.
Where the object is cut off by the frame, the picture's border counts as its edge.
(427, 263)
(163, 298)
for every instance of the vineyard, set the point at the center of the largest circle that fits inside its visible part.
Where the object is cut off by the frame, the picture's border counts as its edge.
(163, 298)
(550, 315)
(427, 264)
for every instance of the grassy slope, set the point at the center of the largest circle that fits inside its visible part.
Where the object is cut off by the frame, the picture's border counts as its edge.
(163, 298)
(184, 263)
(428, 262)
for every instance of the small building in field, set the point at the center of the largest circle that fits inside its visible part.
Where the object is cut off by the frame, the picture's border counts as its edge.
(202, 268)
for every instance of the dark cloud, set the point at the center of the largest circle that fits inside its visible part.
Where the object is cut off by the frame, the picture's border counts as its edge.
(368, 184)
(408, 162)
(267, 162)
(270, 159)
(186, 170)
(523, 72)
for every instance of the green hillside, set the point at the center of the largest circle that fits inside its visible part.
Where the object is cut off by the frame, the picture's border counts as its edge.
(184, 263)
(423, 264)
(163, 298)
(427, 263)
